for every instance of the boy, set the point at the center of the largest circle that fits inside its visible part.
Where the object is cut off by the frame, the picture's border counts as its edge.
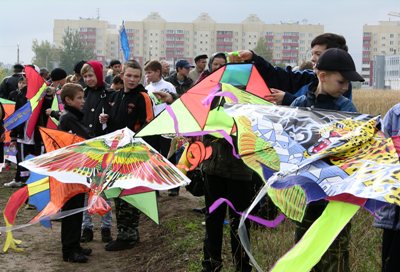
(286, 84)
(157, 84)
(132, 108)
(96, 102)
(115, 66)
(388, 216)
(335, 69)
(180, 79)
(71, 121)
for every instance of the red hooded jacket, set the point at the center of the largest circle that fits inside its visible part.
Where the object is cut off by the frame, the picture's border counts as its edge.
(98, 71)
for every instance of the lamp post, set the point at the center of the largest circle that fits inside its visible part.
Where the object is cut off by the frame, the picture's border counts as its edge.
(17, 52)
(151, 48)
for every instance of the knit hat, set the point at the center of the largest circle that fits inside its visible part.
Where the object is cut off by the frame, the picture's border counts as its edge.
(58, 74)
(78, 66)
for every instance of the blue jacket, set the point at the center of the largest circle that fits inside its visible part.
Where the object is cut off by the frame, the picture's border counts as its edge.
(388, 216)
(323, 101)
(293, 83)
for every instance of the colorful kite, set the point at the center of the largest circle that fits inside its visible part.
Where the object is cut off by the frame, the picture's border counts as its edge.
(30, 111)
(341, 157)
(199, 109)
(113, 160)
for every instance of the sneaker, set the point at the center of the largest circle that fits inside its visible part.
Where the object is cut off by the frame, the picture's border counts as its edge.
(118, 245)
(173, 193)
(13, 184)
(87, 235)
(30, 207)
(106, 235)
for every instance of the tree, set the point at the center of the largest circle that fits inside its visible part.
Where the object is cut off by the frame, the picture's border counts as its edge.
(73, 50)
(262, 50)
(46, 54)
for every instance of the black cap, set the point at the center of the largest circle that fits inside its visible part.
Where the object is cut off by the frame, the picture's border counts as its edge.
(199, 57)
(17, 68)
(58, 74)
(338, 60)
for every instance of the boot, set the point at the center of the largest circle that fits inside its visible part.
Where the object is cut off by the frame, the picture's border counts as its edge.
(106, 235)
(87, 235)
(118, 245)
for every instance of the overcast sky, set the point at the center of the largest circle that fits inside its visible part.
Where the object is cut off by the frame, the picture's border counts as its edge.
(25, 20)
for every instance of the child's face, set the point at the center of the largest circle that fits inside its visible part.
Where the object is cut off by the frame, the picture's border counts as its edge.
(316, 51)
(131, 78)
(77, 102)
(333, 83)
(153, 76)
(90, 79)
(21, 84)
(217, 62)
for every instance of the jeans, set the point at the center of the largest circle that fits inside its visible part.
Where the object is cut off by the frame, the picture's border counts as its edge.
(105, 220)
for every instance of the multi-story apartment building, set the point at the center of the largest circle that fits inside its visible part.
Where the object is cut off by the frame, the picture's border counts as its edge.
(155, 38)
(386, 72)
(382, 39)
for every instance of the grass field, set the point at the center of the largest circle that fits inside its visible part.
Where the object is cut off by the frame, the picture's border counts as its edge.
(375, 101)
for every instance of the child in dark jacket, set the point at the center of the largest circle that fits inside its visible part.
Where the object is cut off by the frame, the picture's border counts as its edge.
(71, 121)
(335, 69)
(97, 101)
(131, 108)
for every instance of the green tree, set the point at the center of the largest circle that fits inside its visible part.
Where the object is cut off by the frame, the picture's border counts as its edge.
(46, 54)
(4, 72)
(73, 50)
(262, 50)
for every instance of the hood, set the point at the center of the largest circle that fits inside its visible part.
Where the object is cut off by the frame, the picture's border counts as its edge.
(98, 71)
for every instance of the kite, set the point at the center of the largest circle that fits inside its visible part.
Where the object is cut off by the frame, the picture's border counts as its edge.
(29, 112)
(121, 160)
(116, 160)
(337, 156)
(196, 110)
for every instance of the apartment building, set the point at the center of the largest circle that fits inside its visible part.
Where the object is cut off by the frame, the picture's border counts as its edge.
(386, 72)
(156, 38)
(378, 40)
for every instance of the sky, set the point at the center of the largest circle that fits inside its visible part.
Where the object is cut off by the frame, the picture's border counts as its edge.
(23, 21)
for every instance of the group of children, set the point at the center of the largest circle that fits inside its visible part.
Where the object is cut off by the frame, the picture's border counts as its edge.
(95, 110)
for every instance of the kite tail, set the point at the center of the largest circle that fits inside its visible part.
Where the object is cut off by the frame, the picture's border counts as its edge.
(309, 250)
(15, 202)
(10, 241)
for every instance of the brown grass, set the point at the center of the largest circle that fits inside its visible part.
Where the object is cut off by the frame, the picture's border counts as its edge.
(375, 101)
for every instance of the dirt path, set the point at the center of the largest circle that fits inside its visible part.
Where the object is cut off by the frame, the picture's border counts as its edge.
(155, 252)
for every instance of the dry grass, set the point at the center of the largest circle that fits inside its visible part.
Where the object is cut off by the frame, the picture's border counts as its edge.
(375, 101)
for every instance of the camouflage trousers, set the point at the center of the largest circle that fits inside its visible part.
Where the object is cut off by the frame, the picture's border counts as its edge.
(336, 258)
(127, 220)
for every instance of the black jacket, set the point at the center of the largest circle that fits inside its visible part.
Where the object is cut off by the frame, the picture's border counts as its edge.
(181, 88)
(71, 121)
(8, 85)
(95, 101)
(287, 80)
(131, 109)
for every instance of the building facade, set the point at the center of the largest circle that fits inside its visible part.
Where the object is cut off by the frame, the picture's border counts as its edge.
(378, 40)
(155, 38)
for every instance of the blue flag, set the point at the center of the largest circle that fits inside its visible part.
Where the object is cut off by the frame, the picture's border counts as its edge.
(18, 117)
(124, 42)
